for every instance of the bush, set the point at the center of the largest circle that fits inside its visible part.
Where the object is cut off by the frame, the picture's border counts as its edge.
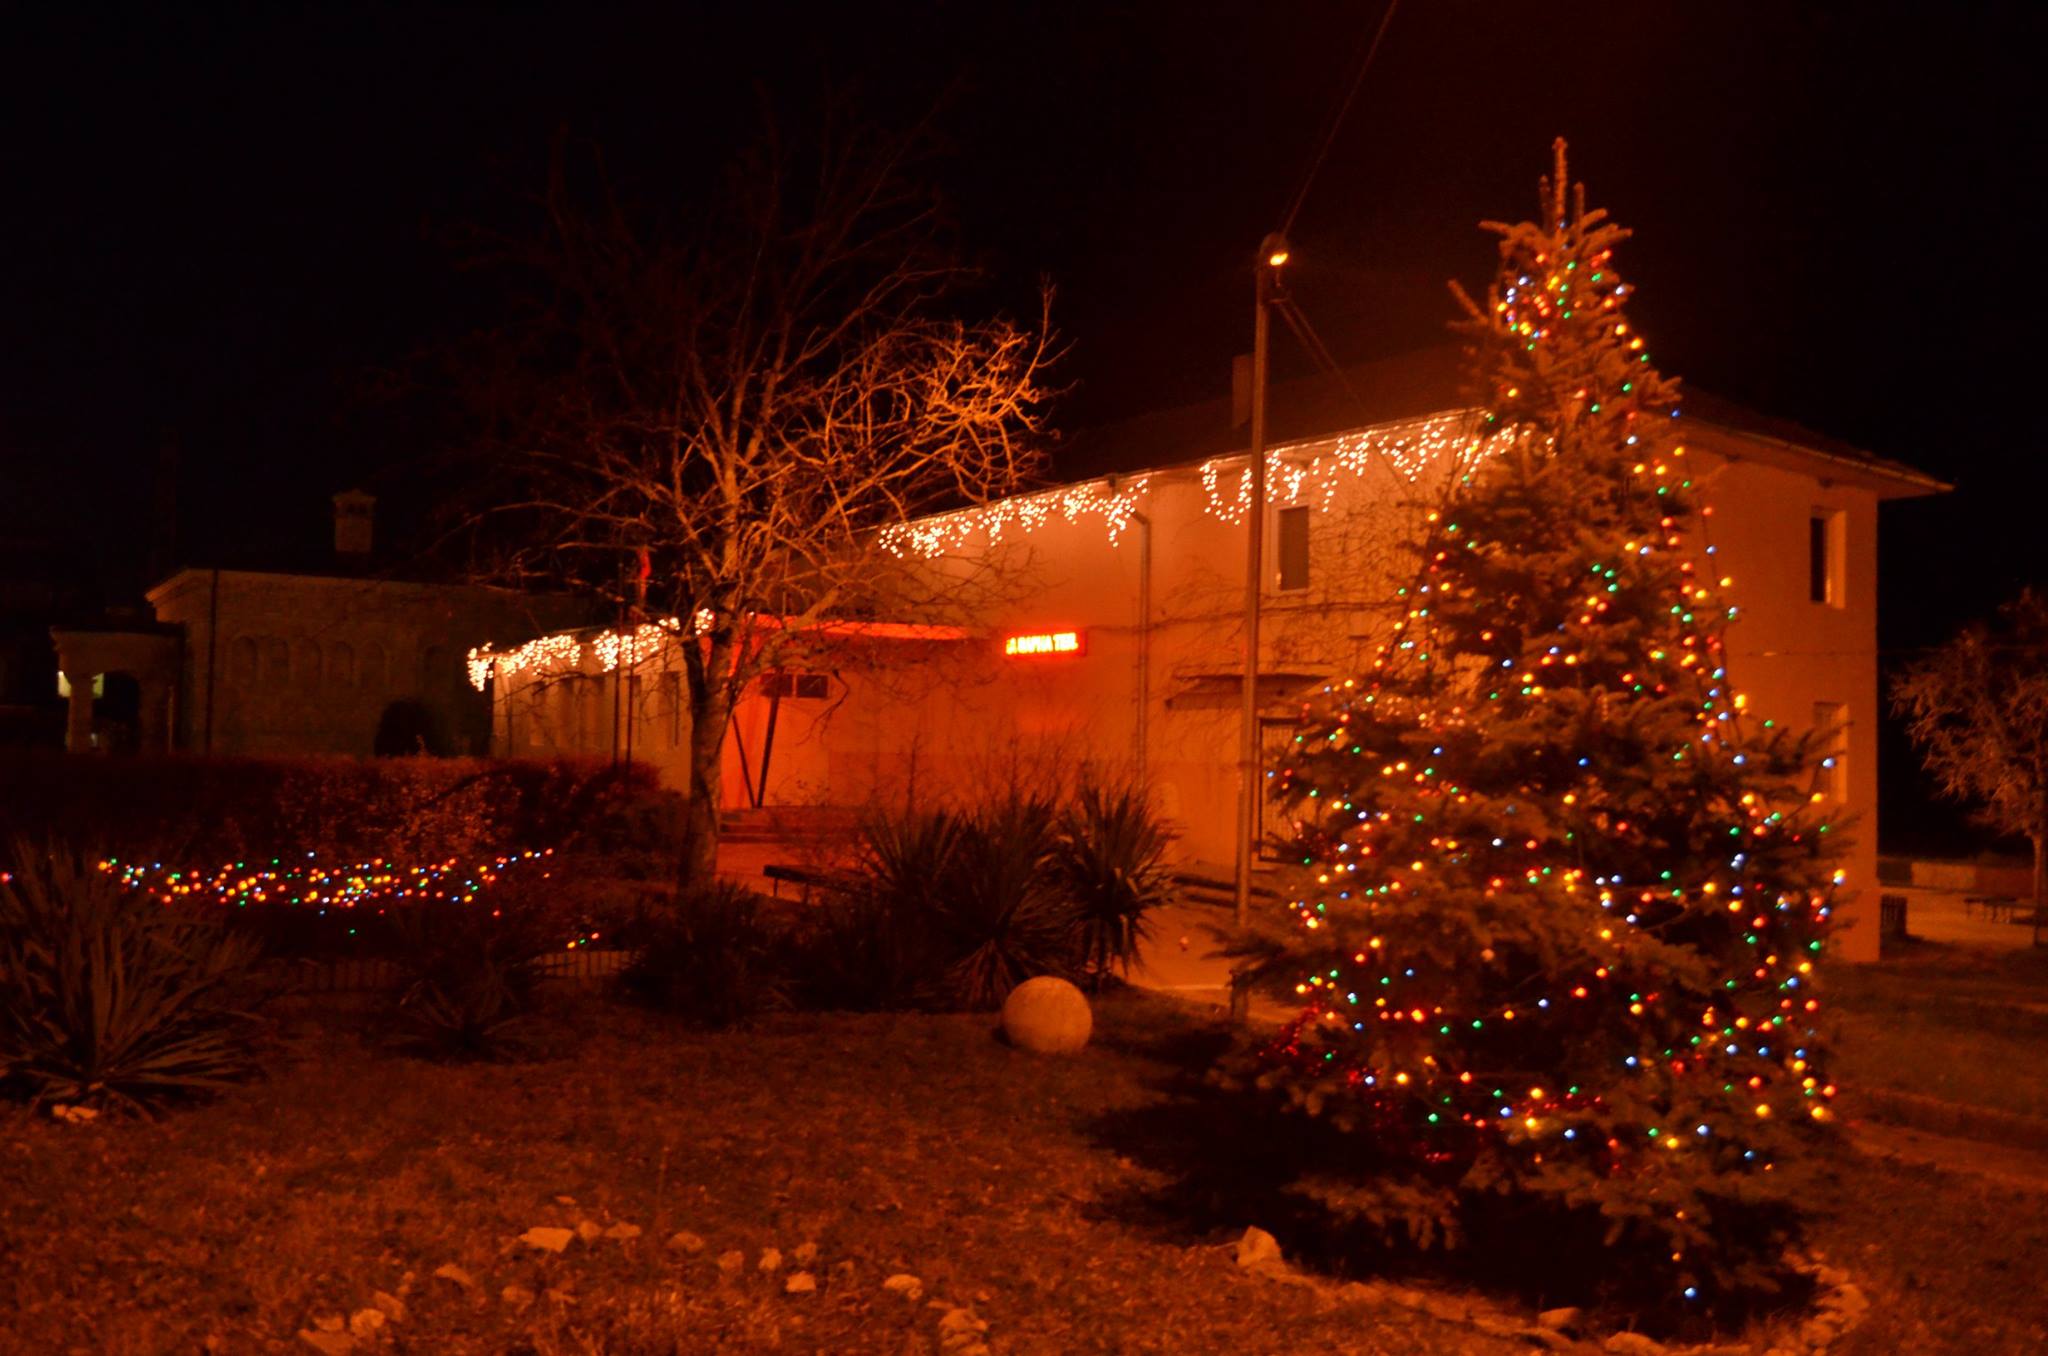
(956, 908)
(471, 974)
(1000, 907)
(875, 948)
(110, 998)
(1110, 856)
(199, 811)
(715, 957)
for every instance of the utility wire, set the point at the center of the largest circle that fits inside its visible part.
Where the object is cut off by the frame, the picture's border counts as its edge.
(1337, 121)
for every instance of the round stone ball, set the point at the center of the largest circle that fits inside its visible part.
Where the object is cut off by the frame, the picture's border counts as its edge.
(1047, 1016)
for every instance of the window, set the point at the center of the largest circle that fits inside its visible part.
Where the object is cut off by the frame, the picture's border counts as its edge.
(808, 686)
(1831, 733)
(1290, 548)
(277, 661)
(672, 706)
(242, 661)
(1826, 558)
(306, 663)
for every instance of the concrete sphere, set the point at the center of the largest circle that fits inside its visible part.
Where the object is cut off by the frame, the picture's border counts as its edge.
(1047, 1016)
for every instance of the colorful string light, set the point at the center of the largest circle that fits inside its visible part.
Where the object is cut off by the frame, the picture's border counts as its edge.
(1561, 906)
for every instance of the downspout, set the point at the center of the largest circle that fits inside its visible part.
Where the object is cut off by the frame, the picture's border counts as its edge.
(1144, 661)
(212, 654)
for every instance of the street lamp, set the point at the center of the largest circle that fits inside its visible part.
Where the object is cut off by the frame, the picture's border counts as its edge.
(1272, 257)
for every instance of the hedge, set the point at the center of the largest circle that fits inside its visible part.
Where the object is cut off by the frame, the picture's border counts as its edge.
(205, 810)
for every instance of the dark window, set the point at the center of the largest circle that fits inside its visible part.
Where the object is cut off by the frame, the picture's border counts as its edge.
(1817, 557)
(1827, 558)
(1290, 547)
(809, 686)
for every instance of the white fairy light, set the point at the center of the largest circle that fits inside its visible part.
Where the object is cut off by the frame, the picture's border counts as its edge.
(947, 532)
(564, 652)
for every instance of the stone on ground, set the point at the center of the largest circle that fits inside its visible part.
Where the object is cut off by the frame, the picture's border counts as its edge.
(685, 1242)
(1257, 1248)
(1047, 1016)
(906, 1285)
(547, 1239)
(800, 1283)
(456, 1277)
(366, 1322)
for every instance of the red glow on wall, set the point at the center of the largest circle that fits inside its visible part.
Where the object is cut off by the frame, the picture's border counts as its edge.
(1042, 644)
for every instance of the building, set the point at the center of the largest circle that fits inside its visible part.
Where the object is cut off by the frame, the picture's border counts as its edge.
(331, 655)
(1118, 639)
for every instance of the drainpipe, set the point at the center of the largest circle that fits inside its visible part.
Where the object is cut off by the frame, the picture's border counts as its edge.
(212, 654)
(1144, 662)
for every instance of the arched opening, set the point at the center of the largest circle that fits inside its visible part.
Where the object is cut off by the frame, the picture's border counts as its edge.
(409, 728)
(117, 713)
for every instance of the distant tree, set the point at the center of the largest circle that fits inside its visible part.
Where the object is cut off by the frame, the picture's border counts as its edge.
(703, 422)
(1977, 707)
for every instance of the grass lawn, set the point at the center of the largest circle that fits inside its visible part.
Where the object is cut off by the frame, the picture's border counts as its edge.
(893, 1144)
(1962, 1024)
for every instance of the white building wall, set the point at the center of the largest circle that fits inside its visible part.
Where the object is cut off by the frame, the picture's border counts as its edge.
(1159, 612)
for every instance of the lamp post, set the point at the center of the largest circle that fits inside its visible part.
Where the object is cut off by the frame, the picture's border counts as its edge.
(1273, 255)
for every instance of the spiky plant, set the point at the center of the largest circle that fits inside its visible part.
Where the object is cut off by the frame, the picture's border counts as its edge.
(109, 998)
(469, 977)
(1110, 857)
(1001, 909)
(715, 958)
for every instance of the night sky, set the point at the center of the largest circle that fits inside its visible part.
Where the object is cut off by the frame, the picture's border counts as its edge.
(225, 230)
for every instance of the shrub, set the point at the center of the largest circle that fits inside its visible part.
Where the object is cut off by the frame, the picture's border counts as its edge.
(110, 998)
(200, 811)
(471, 975)
(1000, 907)
(1110, 856)
(715, 957)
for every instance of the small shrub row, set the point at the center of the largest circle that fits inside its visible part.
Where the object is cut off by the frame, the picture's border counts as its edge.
(941, 909)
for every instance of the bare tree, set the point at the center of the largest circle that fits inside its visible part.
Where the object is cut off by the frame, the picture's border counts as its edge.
(1978, 709)
(704, 426)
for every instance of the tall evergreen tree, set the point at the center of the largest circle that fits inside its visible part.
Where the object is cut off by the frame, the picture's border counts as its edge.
(1561, 900)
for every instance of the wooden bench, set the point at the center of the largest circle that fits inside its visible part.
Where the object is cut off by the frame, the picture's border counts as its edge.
(806, 878)
(1996, 907)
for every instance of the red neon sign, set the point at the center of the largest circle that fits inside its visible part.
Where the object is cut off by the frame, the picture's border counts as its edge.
(1043, 643)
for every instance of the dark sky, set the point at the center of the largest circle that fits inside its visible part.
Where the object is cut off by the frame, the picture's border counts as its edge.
(220, 223)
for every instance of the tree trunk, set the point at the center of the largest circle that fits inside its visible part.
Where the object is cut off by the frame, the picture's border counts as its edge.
(2040, 881)
(708, 714)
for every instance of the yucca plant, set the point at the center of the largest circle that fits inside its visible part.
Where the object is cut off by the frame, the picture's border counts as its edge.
(109, 998)
(715, 957)
(1000, 908)
(1110, 858)
(470, 977)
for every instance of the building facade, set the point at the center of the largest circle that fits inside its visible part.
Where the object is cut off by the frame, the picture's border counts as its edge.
(1116, 639)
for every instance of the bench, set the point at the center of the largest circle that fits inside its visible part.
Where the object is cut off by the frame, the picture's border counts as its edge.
(805, 878)
(1996, 907)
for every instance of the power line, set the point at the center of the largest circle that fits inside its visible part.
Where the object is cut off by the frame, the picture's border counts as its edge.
(1337, 121)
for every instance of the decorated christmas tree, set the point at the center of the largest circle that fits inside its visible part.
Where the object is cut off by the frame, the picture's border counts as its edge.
(1560, 898)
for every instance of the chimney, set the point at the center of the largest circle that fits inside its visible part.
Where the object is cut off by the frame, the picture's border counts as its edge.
(1240, 390)
(354, 512)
